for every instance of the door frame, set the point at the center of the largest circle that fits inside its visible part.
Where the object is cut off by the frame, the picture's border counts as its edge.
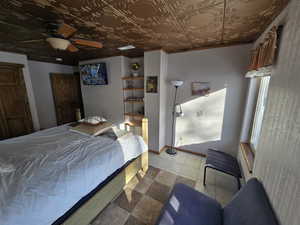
(54, 97)
(19, 67)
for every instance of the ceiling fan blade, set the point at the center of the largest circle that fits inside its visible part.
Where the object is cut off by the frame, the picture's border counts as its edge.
(72, 48)
(66, 30)
(32, 41)
(94, 44)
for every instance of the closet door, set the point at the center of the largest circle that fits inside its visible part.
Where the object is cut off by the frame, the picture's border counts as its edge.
(15, 116)
(67, 96)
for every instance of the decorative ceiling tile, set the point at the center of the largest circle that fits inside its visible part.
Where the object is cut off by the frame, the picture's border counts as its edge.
(174, 25)
(246, 19)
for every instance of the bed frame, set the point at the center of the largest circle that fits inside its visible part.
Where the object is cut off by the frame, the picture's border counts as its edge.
(90, 209)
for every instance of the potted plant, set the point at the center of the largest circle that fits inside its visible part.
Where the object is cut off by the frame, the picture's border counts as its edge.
(135, 68)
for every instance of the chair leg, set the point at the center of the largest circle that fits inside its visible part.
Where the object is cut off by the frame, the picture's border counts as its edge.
(204, 177)
(239, 183)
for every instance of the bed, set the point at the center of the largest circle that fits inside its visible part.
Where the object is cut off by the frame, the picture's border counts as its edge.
(55, 168)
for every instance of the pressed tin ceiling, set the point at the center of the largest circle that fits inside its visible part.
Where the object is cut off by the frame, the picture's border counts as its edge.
(173, 25)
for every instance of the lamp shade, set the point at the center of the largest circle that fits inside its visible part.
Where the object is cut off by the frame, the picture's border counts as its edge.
(58, 43)
(177, 83)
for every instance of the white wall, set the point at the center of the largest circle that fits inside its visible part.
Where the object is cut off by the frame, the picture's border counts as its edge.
(106, 100)
(22, 59)
(152, 65)
(277, 159)
(155, 64)
(163, 101)
(40, 78)
(213, 121)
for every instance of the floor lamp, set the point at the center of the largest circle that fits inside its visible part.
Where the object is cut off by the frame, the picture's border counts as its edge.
(176, 84)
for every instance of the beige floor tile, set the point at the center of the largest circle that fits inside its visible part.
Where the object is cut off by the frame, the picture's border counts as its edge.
(208, 189)
(140, 184)
(159, 192)
(147, 210)
(152, 172)
(223, 196)
(128, 199)
(188, 172)
(111, 215)
(186, 181)
(134, 221)
(166, 178)
(227, 182)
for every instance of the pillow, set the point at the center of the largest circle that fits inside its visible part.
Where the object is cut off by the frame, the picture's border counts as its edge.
(114, 133)
(6, 167)
(94, 120)
(92, 129)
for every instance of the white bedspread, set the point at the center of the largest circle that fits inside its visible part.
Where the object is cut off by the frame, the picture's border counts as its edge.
(54, 169)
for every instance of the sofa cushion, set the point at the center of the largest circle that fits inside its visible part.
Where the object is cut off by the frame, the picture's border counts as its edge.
(189, 207)
(250, 206)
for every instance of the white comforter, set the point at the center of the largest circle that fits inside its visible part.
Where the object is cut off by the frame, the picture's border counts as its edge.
(54, 169)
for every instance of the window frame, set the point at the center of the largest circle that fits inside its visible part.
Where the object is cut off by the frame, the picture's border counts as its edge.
(258, 114)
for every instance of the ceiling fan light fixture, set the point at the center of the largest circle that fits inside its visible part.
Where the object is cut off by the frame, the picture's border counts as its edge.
(58, 43)
(127, 47)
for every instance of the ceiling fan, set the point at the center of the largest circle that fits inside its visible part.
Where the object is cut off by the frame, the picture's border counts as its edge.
(59, 37)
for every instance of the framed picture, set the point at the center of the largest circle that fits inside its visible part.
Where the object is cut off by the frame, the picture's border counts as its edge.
(200, 88)
(93, 74)
(151, 85)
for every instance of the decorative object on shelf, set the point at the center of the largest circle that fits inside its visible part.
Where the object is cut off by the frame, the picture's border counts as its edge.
(135, 99)
(129, 84)
(151, 84)
(176, 84)
(264, 56)
(78, 114)
(200, 88)
(135, 68)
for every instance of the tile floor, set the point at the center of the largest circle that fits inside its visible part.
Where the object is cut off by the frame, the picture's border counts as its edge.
(143, 197)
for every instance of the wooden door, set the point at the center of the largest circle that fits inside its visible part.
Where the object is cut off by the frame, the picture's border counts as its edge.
(67, 96)
(15, 116)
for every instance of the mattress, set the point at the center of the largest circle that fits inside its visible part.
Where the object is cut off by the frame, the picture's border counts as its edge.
(54, 169)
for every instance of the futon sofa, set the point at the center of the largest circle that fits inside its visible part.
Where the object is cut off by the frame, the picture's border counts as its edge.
(250, 206)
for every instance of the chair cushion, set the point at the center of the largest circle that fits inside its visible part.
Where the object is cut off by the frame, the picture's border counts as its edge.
(250, 206)
(189, 207)
(223, 162)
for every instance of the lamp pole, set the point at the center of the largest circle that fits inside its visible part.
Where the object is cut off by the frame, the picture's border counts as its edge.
(172, 151)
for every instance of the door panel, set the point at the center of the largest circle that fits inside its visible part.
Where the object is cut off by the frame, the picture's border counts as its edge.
(67, 96)
(15, 114)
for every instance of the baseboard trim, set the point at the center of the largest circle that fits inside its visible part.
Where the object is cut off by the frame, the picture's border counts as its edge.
(158, 152)
(187, 151)
(154, 151)
(178, 149)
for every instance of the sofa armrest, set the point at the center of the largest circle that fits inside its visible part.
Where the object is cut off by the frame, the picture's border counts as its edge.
(187, 206)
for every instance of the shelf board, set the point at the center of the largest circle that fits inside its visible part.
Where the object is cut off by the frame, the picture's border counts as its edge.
(133, 89)
(134, 101)
(134, 123)
(134, 115)
(133, 78)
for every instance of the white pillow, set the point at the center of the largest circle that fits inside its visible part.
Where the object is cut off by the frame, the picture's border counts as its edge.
(93, 120)
(6, 167)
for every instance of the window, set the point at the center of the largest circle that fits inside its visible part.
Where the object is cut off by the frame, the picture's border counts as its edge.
(259, 111)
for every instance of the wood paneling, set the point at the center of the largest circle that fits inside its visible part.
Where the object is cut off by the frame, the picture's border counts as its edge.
(172, 25)
(67, 96)
(15, 116)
